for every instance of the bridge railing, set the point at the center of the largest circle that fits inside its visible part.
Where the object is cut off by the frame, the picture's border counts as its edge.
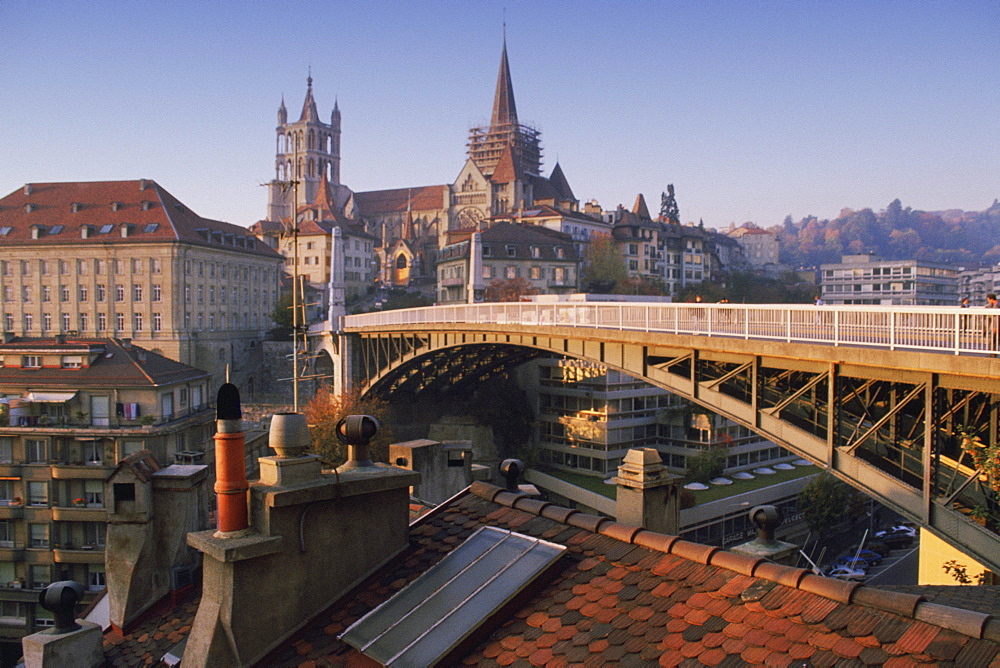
(932, 328)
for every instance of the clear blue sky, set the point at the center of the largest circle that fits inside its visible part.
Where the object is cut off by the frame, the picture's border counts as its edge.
(753, 110)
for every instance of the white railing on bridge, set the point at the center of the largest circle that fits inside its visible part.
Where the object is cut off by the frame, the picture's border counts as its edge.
(931, 328)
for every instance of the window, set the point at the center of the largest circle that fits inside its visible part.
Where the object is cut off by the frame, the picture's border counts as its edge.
(93, 533)
(95, 577)
(157, 293)
(101, 293)
(559, 274)
(43, 267)
(137, 322)
(46, 322)
(536, 252)
(487, 272)
(105, 229)
(7, 494)
(25, 268)
(8, 295)
(72, 361)
(6, 533)
(31, 361)
(65, 322)
(64, 293)
(34, 450)
(102, 322)
(183, 397)
(28, 322)
(560, 252)
(26, 294)
(201, 294)
(6, 451)
(536, 273)
(82, 293)
(511, 271)
(119, 322)
(155, 265)
(137, 293)
(13, 613)
(119, 292)
(38, 535)
(211, 294)
(94, 493)
(93, 452)
(99, 266)
(41, 576)
(136, 265)
(157, 322)
(8, 322)
(511, 250)
(38, 493)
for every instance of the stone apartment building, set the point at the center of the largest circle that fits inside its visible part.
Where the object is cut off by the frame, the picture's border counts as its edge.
(126, 259)
(546, 259)
(70, 409)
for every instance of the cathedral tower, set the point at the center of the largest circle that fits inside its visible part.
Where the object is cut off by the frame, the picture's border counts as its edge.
(307, 150)
(487, 145)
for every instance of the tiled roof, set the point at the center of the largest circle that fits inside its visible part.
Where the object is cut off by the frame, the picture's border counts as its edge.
(116, 366)
(627, 596)
(154, 634)
(422, 198)
(141, 208)
(559, 182)
(505, 171)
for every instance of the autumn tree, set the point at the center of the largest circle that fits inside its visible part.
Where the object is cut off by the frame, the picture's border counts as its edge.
(603, 265)
(509, 290)
(327, 408)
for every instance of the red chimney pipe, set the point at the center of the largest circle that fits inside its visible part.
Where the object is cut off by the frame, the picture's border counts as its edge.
(230, 467)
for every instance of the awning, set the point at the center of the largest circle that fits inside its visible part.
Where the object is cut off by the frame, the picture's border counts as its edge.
(50, 397)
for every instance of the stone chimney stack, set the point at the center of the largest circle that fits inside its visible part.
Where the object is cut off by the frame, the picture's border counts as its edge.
(312, 537)
(647, 495)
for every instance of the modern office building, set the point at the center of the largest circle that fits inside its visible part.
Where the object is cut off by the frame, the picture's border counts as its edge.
(866, 279)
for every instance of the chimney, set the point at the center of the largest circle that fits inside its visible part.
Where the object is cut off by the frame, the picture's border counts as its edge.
(27, 189)
(277, 574)
(767, 519)
(143, 184)
(69, 643)
(647, 495)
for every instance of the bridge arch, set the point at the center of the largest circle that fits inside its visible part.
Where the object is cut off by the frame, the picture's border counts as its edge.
(882, 420)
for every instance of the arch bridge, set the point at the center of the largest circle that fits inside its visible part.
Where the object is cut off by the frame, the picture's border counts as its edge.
(882, 397)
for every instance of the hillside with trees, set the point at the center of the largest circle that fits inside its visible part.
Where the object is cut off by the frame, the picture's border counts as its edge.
(956, 237)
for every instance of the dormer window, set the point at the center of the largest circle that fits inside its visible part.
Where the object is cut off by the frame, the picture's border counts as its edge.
(31, 361)
(486, 251)
(124, 229)
(536, 252)
(146, 205)
(28, 208)
(75, 207)
(511, 250)
(560, 252)
(72, 361)
(37, 231)
(85, 231)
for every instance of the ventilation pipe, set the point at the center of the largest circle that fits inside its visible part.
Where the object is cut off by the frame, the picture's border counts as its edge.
(230, 463)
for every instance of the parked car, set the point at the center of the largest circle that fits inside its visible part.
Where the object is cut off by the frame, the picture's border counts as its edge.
(870, 557)
(897, 536)
(847, 573)
(879, 548)
(851, 561)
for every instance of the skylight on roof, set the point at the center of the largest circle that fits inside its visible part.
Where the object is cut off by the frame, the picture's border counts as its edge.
(106, 228)
(152, 227)
(431, 616)
(55, 229)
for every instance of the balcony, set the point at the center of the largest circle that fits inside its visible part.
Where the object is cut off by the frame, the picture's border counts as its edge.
(62, 471)
(86, 554)
(11, 511)
(9, 470)
(91, 513)
(10, 553)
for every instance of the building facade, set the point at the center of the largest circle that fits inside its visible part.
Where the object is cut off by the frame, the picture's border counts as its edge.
(70, 410)
(866, 279)
(545, 259)
(126, 259)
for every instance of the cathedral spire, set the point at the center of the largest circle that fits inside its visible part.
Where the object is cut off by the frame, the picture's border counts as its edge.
(504, 109)
(309, 112)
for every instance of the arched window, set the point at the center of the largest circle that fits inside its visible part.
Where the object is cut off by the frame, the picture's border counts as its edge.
(401, 262)
(312, 139)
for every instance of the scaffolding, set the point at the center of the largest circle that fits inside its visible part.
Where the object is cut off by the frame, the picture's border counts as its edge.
(486, 146)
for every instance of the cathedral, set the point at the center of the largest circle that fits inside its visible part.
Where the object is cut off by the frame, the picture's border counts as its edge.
(406, 228)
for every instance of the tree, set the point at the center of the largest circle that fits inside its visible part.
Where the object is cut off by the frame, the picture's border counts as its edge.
(603, 265)
(825, 502)
(326, 409)
(707, 464)
(509, 289)
(282, 313)
(669, 211)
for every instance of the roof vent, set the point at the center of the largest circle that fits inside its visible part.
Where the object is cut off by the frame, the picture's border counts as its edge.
(115, 206)
(28, 208)
(85, 231)
(146, 205)
(143, 184)
(37, 231)
(124, 229)
(75, 207)
(27, 188)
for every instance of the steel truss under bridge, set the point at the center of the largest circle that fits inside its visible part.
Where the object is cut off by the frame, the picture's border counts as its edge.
(888, 422)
